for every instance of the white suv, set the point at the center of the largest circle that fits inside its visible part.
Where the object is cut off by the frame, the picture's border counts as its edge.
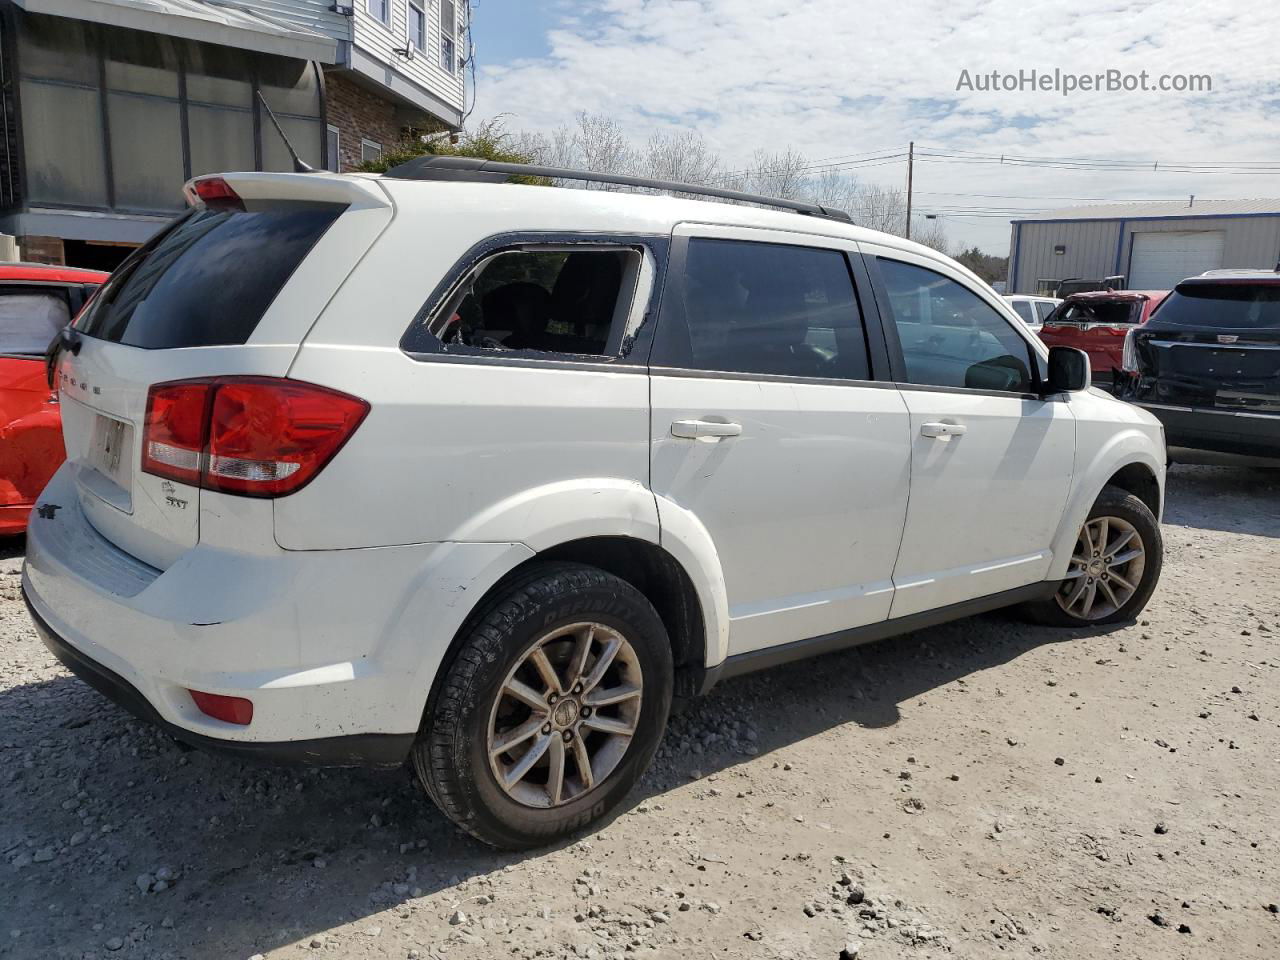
(363, 469)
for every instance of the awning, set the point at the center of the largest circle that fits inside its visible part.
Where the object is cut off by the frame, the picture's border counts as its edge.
(197, 20)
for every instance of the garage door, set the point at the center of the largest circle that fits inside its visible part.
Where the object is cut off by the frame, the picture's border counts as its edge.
(1162, 260)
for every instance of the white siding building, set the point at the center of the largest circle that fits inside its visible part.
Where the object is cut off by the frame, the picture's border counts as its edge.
(408, 53)
(110, 105)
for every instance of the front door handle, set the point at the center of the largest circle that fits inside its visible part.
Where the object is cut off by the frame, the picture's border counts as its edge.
(700, 429)
(942, 431)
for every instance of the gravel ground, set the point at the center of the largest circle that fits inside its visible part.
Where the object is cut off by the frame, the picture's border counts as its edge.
(981, 789)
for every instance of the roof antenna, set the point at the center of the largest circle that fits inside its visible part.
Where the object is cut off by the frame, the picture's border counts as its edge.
(299, 165)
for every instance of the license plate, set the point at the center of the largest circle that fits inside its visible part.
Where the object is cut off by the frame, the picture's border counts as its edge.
(112, 442)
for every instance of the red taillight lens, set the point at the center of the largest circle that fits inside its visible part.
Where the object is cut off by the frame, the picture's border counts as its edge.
(176, 430)
(255, 436)
(215, 192)
(236, 710)
(269, 437)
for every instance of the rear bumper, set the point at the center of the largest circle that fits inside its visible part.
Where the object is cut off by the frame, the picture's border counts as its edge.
(13, 519)
(356, 750)
(337, 650)
(1221, 431)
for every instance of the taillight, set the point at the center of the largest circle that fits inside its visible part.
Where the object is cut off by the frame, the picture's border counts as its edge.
(214, 192)
(1129, 355)
(176, 429)
(254, 436)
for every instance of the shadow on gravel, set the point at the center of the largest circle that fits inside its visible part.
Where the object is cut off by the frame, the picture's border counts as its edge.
(265, 856)
(261, 857)
(12, 547)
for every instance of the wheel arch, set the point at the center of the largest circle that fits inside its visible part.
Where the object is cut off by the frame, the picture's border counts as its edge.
(1129, 461)
(1140, 480)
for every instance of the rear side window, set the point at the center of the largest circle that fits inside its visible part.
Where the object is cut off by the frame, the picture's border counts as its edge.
(773, 309)
(208, 279)
(567, 301)
(29, 320)
(1023, 309)
(1241, 306)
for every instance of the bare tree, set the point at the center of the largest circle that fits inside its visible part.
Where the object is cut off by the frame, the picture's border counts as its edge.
(831, 188)
(555, 149)
(602, 146)
(682, 156)
(932, 234)
(778, 174)
(880, 208)
(596, 142)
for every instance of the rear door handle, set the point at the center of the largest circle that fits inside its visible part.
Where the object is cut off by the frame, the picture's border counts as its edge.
(698, 429)
(942, 431)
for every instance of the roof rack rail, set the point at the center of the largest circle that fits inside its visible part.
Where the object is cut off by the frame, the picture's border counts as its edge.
(475, 169)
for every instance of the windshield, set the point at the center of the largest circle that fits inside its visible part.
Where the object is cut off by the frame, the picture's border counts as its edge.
(208, 279)
(1113, 312)
(1241, 306)
(30, 320)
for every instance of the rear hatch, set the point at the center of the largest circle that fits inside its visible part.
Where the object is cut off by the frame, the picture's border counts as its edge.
(1213, 344)
(1095, 325)
(230, 288)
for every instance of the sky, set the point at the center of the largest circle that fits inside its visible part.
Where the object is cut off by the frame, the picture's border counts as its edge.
(857, 80)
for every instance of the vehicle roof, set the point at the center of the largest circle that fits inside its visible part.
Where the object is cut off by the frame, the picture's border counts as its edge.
(50, 272)
(1237, 273)
(1119, 295)
(551, 208)
(1030, 296)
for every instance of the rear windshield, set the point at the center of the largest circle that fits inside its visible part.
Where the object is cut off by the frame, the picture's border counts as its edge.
(29, 320)
(1242, 306)
(1110, 312)
(207, 279)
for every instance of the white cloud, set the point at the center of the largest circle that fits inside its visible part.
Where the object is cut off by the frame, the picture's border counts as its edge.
(834, 77)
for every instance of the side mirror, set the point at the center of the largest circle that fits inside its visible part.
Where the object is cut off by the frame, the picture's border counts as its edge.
(1069, 370)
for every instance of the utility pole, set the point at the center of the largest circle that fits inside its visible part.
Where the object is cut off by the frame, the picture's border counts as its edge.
(911, 160)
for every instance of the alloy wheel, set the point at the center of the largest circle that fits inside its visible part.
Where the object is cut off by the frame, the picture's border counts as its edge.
(565, 715)
(1105, 571)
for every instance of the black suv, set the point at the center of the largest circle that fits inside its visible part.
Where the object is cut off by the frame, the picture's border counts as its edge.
(1207, 363)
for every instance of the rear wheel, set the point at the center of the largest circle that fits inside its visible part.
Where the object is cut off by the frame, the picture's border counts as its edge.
(551, 708)
(1115, 565)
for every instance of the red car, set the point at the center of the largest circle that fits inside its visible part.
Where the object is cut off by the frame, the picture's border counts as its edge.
(1096, 323)
(36, 301)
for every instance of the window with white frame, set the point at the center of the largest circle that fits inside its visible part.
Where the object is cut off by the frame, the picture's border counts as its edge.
(416, 26)
(448, 35)
(380, 9)
(370, 151)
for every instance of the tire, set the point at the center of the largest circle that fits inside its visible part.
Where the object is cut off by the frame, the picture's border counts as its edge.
(473, 706)
(1130, 512)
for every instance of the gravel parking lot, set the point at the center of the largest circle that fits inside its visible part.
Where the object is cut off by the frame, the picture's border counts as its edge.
(981, 789)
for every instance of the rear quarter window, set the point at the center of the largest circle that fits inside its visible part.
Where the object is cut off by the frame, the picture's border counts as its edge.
(207, 279)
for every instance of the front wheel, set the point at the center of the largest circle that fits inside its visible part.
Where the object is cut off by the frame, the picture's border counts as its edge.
(1114, 567)
(551, 708)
